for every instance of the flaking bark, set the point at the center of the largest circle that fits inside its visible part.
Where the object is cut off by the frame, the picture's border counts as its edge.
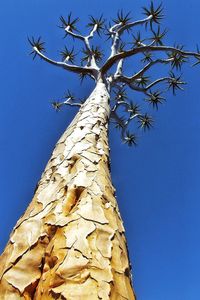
(70, 242)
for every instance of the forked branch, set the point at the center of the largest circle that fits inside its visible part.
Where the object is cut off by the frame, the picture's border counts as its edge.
(143, 49)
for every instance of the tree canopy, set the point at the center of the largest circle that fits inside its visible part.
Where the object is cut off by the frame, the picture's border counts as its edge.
(127, 39)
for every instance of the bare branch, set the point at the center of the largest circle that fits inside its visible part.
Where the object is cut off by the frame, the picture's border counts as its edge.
(57, 105)
(119, 103)
(146, 68)
(114, 27)
(75, 35)
(136, 88)
(133, 24)
(159, 80)
(140, 89)
(85, 40)
(112, 60)
(91, 34)
(118, 29)
(119, 68)
(115, 44)
(122, 123)
(68, 102)
(72, 68)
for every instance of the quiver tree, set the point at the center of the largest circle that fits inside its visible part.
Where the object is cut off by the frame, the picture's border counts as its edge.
(70, 242)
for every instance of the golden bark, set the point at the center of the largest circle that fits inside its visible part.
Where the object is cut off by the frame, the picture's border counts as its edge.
(70, 242)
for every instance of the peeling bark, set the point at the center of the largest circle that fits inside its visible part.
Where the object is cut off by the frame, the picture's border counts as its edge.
(70, 242)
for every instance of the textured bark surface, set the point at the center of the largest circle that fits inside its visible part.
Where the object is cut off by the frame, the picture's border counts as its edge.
(70, 242)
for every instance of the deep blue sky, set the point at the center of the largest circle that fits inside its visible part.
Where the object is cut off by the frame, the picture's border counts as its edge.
(157, 182)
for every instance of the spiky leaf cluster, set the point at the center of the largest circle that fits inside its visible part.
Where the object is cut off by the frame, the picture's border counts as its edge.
(137, 40)
(69, 23)
(145, 121)
(133, 113)
(155, 98)
(120, 123)
(95, 52)
(130, 139)
(82, 76)
(122, 18)
(69, 96)
(177, 59)
(156, 14)
(98, 22)
(56, 105)
(68, 55)
(36, 44)
(133, 109)
(175, 82)
(147, 57)
(143, 81)
(158, 36)
(121, 95)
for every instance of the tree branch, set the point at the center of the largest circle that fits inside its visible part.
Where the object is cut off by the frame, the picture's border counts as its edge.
(72, 68)
(68, 102)
(118, 29)
(115, 38)
(75, 35)
(85, 40)
(91, 34)
(156, 82)
(149, 65)
(119, 68)
(115, 44)
(113, 59)
(122, 123)
(133, 24)
(140, 89)
(146, 68)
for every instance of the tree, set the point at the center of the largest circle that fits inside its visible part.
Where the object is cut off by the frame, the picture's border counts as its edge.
(71, 236)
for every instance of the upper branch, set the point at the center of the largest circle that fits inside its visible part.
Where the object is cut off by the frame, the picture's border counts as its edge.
(133, 24)
(146, 68)
(74, 35)
(84, 39)
(123, 22)
(94, 29)
(173, 82)
(70, 28)
(119, 68)
(72, 68)
(115, 42)
(112, 60)
(159, 80)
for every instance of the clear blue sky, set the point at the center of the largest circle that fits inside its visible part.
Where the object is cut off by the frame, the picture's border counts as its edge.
(157, 182)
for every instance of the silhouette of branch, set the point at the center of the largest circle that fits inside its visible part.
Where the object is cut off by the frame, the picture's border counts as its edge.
(145, 68)
(125, 54)
(171, 80)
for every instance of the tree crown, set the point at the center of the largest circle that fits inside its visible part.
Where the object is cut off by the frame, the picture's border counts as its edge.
(127, 43)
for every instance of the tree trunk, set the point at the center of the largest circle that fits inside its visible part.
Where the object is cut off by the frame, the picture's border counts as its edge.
(70, 242)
